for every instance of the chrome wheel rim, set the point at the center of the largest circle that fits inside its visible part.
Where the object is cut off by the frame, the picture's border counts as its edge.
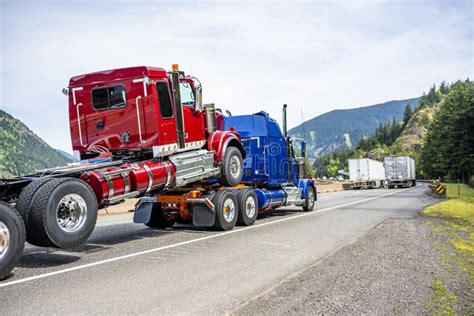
(310, 199)
(229, 210)
(4, 239)
(235, 166)
(71, 212)
(250, 207)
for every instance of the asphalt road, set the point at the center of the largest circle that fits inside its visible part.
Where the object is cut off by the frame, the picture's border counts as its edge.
(129, 268)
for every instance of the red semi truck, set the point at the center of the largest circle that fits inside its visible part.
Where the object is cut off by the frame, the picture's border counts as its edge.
(139, 132)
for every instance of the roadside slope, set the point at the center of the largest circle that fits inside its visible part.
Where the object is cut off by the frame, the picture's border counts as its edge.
(388, 270)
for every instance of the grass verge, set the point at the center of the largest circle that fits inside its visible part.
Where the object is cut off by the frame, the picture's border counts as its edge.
(456, 245)
(444, 301)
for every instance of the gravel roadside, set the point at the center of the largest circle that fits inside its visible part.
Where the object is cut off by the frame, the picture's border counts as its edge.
(388, 270)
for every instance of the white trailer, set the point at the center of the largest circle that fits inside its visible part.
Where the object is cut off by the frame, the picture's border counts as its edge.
(400, 171)
(366, 173)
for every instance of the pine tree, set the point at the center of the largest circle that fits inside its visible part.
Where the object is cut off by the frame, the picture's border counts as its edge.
(432, 97)
(443, 87)
(449, 145)
(407, 114)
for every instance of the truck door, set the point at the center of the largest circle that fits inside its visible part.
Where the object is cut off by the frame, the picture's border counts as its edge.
(194, 129)
(277, 161)
(167, 116)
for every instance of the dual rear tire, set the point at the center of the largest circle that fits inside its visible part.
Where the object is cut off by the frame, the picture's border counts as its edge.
(226, 208)
(248, 207)
(59, 212)
(232, 209)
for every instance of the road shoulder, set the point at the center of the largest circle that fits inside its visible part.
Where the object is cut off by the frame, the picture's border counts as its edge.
(391, 269)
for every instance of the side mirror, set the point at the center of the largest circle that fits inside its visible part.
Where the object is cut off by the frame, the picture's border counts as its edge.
(303, 149)
(198, 101)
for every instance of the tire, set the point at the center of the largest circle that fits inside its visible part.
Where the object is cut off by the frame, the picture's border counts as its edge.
(231, 167)
(309, 200)
(63, 214)
(226, 209)
(157, 220)
(25, 200)
(247, 203)
(12, 239)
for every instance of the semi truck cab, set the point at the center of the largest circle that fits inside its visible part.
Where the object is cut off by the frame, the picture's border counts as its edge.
(271, 166)
(268, 161)
(136, 109)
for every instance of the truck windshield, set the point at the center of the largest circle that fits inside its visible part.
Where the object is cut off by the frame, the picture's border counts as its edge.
(187, 94)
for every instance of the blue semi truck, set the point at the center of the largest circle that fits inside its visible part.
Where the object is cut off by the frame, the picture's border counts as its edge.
(271, 168)
(273, 176)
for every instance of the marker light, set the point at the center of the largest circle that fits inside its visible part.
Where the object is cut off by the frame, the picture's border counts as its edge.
(175, 67)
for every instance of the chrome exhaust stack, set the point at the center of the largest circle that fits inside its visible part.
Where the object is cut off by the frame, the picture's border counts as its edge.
(287, 141)
(210, 110)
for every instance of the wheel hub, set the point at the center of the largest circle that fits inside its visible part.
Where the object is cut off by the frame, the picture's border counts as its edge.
(71, 212)
(229, 210)
(4, 239)
(235, 166)
(250, 207)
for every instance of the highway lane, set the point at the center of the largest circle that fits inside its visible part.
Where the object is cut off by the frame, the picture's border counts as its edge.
(125, 267)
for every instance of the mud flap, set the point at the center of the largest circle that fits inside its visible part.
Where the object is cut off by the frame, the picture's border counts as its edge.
(143, 210)
(203, 215)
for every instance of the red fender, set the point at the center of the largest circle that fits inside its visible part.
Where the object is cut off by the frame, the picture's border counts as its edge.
(218, 142)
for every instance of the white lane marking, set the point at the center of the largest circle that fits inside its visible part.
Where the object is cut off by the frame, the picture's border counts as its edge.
(140, 253)
(113, 222)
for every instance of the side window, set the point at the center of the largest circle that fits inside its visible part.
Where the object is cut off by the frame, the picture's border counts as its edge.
(187, 94)
(109, 98)
(117, 96)
(164, 98)
(100, 100)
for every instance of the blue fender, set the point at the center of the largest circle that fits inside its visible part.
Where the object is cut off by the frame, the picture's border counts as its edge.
(305, 184)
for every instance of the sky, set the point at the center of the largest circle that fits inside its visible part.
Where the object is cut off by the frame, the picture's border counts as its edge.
(315, 56)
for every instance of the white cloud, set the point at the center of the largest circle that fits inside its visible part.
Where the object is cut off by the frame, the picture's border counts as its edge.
(249, 56)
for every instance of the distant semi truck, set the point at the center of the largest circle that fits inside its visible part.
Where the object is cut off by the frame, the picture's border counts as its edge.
(366, 173)
(400, 171)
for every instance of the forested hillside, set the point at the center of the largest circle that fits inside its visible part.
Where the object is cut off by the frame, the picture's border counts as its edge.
(342, 129)
(22, 151)
(448, 150)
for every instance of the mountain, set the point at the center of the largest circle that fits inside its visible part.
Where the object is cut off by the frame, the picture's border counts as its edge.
(413, 134)
(342, 129)
(67, 155)
(394, 138)
(22, 151)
